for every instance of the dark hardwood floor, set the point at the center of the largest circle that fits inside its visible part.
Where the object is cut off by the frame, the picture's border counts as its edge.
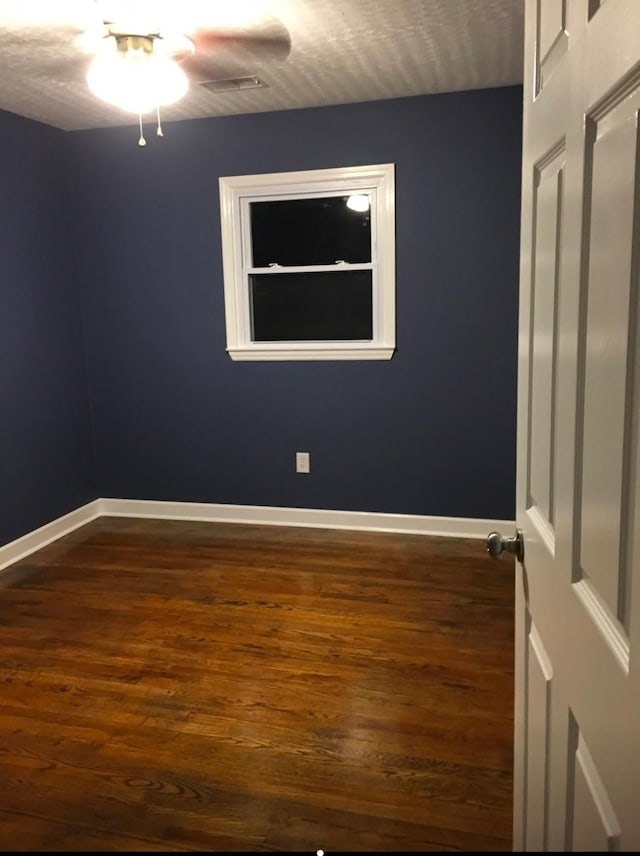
(195, 686)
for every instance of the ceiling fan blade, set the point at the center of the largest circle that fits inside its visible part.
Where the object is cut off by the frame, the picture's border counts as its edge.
(49, 51)
(268, 40)
(219, 53)
(66, 68)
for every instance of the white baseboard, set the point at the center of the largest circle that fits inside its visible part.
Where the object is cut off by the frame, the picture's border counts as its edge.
(32, 541)
(454, 527)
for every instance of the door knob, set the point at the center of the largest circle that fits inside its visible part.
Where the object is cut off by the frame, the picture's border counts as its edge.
(497, 545)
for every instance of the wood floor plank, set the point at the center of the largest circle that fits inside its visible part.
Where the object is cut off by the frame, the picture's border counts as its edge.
(179, 685)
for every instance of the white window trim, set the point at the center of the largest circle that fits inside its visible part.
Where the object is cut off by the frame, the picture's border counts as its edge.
(235, 194)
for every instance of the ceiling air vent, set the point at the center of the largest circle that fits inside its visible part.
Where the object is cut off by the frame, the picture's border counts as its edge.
(234, 84)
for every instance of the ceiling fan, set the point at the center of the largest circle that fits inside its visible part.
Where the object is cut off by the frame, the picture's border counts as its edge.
(146, 53)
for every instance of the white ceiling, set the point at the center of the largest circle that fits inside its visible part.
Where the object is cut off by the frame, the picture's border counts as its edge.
(341, 51)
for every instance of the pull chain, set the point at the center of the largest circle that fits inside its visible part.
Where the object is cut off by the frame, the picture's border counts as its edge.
(141, 141)
(159, 131)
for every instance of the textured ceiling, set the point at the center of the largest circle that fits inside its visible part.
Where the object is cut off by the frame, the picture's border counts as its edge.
(311, 53)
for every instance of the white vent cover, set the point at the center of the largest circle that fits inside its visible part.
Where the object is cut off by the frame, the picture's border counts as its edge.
(232, 84)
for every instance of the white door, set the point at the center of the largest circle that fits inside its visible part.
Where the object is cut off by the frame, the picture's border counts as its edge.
(577, 735)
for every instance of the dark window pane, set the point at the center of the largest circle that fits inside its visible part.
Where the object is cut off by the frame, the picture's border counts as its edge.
(309, 232)
(311, 306)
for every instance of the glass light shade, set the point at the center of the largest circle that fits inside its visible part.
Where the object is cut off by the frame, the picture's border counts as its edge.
(136, 81)
(358, 202)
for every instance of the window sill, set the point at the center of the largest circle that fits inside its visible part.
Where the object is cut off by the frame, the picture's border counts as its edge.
(312, 352)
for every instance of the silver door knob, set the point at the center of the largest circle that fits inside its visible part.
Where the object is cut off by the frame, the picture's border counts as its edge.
(497, 545)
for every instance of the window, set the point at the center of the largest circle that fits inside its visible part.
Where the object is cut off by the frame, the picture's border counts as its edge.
(309, 264)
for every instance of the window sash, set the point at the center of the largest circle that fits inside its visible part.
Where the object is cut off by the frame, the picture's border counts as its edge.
(278, 248)
(312, 304)
(375, 295)
(245, 218)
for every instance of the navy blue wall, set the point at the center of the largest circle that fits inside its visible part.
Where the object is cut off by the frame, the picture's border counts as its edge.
(430, 432)
(46, 452)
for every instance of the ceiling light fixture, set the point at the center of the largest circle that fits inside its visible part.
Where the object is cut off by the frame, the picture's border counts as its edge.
(134, 73)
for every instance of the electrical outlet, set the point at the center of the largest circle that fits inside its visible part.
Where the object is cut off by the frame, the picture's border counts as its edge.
(302, 462)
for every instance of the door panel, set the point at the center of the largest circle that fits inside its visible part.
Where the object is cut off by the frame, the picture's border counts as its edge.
(608, 340)
(594, 825)
(543, 339)
(540, 676)
(552, 37)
